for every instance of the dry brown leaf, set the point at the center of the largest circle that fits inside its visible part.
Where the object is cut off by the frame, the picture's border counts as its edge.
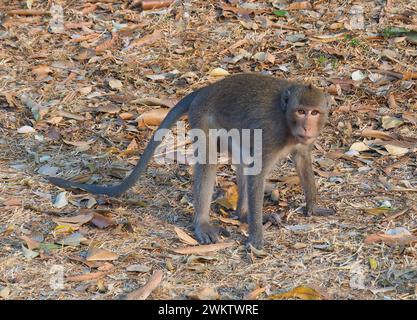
(391, 101)
(126, 116)
(203, 248)
(397, 164)
(244, 11)
(27, 12)
(204, 294)
(303, 5)
(42, 71)
(409, 75)
(108, 44)
(98, 254)
(31, 244)
(369, 133)
(78, 25)
(148, 39)
(395, 150)
(101, 221)
(229, 201)
(13, 202)
(301, 292)
(75, 221)
(290, 180)
(132, 148)
(152, 117)
(152, 101)
(410, 116)
(110, 108)
(155, 4)
(79, 143)
(233, 222)
(184, 237)
(235, 45)
(143, 292)
(401, 239)
(254, 294)
(87, 276)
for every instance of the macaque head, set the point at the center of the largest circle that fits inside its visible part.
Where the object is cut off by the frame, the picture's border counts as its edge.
(306, 110)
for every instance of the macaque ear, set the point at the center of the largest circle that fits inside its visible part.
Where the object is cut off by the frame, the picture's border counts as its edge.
(285, 98)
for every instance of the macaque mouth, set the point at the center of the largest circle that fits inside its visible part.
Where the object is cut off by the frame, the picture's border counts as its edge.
(304, 139)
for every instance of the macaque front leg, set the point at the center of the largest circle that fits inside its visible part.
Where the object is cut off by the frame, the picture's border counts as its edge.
(242, 202)
(304, 167)
(255, 201)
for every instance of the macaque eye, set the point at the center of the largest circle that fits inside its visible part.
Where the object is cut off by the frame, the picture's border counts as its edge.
(314, 113)
(301, 112)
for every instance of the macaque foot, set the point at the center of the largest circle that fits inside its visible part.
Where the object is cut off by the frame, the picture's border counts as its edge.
(273, 218)
(206, 233)
(317, 211)
(243, 217)
(256, 242)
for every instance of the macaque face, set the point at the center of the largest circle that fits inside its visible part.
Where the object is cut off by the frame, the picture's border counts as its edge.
(307, 124)
(306, 113)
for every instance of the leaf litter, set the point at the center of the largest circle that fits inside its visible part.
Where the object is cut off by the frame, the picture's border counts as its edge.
(82, 95)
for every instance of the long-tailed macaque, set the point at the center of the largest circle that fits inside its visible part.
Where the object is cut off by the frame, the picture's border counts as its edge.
(290, 116)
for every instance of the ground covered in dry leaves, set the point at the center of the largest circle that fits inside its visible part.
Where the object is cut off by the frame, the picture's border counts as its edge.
(75, 96)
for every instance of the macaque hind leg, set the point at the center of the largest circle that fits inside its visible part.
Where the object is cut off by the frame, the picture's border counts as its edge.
(302, 158)
(204, 179)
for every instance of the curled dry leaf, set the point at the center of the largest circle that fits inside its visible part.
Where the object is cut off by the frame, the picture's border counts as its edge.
(144, 292)
(184, 237)
(301, 292)
(203, 248)
(397, 236)
(152, 117)
(218, 72)
(31, 243)
(98, 254)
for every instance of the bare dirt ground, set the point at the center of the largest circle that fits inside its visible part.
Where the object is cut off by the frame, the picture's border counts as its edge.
(70, 98)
